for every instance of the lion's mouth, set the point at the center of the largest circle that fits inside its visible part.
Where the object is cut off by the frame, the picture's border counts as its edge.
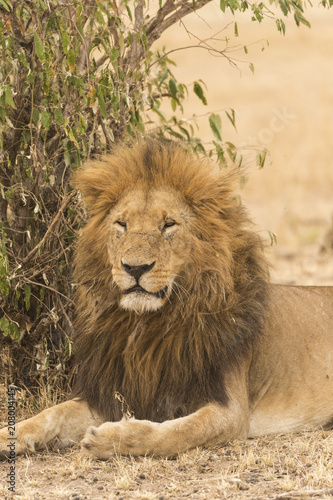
(138, 289)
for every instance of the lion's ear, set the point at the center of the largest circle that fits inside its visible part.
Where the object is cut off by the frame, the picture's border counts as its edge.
(94, 185)
(88, 185)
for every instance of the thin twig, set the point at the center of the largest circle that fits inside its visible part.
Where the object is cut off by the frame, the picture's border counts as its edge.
(209, 49)
(64, 204)
(49, 288)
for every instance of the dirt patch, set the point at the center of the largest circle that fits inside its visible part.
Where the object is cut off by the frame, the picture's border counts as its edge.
(279, 467)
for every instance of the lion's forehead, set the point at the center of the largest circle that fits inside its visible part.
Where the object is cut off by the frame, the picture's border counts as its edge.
(151, 206)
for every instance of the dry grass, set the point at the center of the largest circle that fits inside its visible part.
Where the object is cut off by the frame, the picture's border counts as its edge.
(296, 466)
(294, 199)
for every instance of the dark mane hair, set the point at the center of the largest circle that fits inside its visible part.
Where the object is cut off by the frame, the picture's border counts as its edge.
(170, 362)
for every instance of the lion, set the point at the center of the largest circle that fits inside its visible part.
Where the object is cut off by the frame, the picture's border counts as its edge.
(181, 340)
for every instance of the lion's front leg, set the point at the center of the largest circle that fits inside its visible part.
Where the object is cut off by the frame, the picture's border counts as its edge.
(62, 425)
(210, 425)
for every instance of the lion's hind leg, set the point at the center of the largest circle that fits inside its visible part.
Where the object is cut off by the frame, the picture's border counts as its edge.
(59, 426)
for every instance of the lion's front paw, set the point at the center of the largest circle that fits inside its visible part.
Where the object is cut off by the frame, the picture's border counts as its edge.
(135, 437)
(4, 448)
(12, 444)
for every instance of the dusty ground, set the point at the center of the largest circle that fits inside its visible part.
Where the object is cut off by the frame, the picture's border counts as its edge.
(295, 466)
(299, 466)
(293, 79)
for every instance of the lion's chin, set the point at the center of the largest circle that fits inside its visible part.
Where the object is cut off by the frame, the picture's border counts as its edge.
(141, 302)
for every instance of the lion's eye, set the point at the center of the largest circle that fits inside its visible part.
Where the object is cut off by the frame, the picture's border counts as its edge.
(121, 223)
(169, 223)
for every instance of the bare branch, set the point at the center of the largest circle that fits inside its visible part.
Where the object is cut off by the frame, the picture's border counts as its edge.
(165, 10)
(138, 16)
(161, 23)
(136, 51)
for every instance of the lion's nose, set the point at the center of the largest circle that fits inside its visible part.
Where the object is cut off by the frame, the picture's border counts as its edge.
(137, 271)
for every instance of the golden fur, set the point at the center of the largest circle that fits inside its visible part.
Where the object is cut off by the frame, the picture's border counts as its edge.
(177, 324)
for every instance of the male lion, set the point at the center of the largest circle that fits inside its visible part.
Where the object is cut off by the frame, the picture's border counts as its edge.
(176, 320)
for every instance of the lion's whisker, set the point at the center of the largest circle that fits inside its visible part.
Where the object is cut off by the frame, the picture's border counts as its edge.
(183, 289)
(173, 288)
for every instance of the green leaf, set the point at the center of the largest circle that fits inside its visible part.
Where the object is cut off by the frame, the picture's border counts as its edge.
(232, 117)
(273, 238)
(300, 19)
(233, 5)
(40, 302)
(216, 125)
(129, 12)
(71, 57)
(9, 328)
(163, 77)
(99, 17)
(6, 5)
(223, 5)
(236, 30)
(39, 49)
(281, 26)
(35, 115)
(185, 132)
(261, 159)
(4, 326)
(65, 41)
(220, 154)
(82, 125)
(144, 38)
(173, 87)
(27, 296)
(71, 135)
(101, 103)
(174, 133)
(4, 265)
(58, 116)
(46, 119)
(114, 58)
(199, 92)
(284, 6)
(8, 97)
(232, 151)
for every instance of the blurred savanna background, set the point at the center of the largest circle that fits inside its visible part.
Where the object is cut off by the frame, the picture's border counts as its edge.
(284, 103)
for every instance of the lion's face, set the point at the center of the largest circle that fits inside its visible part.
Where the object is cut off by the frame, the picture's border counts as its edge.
(149, 242)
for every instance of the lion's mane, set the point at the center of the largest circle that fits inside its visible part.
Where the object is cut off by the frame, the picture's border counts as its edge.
(167, 363)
